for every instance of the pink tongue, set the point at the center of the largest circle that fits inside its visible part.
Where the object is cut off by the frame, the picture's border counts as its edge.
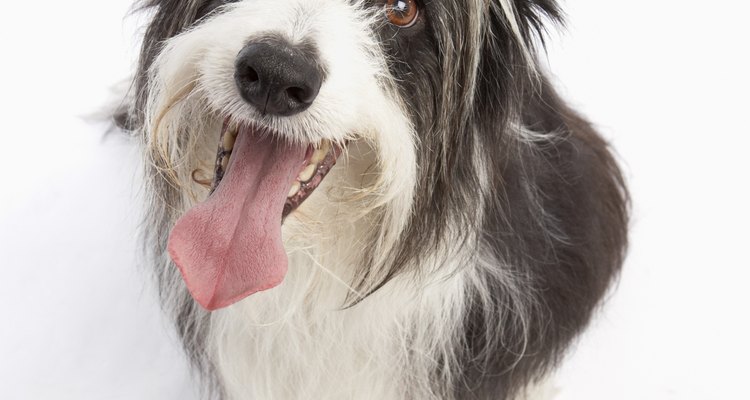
(229, 247)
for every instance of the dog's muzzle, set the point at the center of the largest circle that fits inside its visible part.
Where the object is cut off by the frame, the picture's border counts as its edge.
(230, 246)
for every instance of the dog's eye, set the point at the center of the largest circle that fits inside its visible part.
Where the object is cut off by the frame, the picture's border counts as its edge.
(402, 13)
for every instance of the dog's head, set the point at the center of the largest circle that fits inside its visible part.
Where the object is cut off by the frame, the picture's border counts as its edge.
(361, 131)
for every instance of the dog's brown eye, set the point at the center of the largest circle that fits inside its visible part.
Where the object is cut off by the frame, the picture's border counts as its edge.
(402, 13)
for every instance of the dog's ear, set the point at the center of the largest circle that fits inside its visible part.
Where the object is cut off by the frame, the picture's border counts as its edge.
(523, 24)
(515, 29)
(535, 16)
(169, 18)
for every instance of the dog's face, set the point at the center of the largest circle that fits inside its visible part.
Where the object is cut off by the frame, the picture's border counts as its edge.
(359, 126)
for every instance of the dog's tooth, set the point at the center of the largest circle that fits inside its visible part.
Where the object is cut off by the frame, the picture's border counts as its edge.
(225, 162)
(320, 153)
(318, 156)
(229, 140)
(308, 172)
(295, 188)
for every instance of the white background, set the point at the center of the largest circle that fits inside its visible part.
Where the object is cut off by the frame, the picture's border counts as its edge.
(666, 81)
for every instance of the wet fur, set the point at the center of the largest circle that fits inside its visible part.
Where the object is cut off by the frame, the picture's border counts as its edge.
(514, 230)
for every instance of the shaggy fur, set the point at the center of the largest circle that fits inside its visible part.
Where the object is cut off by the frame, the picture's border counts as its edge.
(463, 240)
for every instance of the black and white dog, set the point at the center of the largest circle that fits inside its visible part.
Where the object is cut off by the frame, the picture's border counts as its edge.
(401, 206)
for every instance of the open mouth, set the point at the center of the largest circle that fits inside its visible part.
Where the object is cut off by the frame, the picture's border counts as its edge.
(318, 161)
(229, 246)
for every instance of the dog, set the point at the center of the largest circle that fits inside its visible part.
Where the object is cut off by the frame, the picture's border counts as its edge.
(370, 199)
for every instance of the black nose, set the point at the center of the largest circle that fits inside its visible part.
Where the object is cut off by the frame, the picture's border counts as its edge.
(278, 78)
